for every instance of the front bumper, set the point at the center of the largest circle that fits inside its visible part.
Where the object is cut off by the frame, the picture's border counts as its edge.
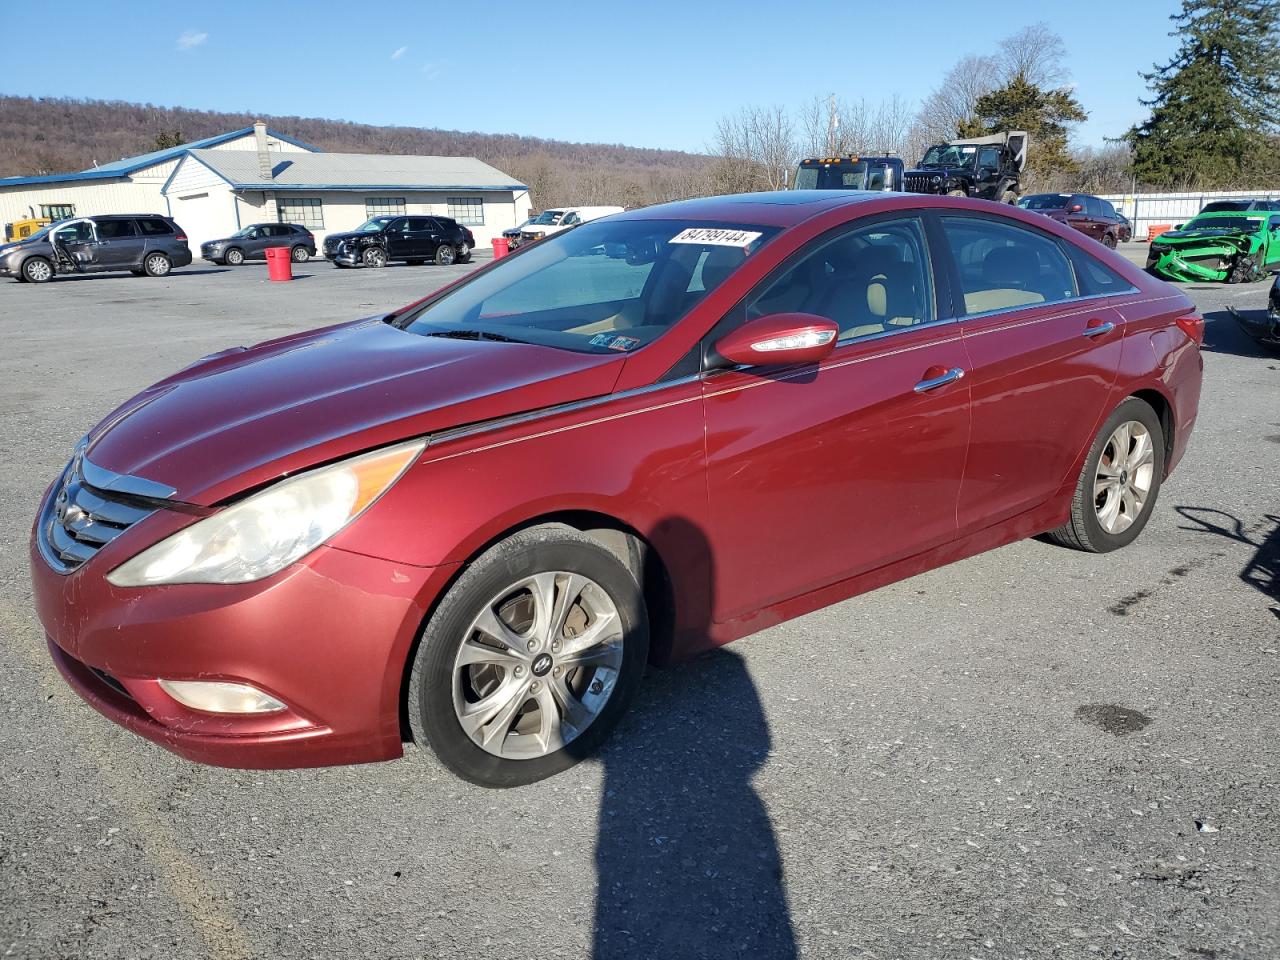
(1192, 263)
(329, 636)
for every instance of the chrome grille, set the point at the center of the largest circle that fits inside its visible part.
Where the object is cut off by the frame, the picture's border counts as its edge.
(82, 517)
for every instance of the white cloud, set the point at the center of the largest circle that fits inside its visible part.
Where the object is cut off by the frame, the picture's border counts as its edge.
(191, 38)
(400, 52)
(432, 70)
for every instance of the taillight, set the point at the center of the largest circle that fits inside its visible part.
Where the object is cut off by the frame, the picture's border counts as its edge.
(181, 238)
(1193, 326)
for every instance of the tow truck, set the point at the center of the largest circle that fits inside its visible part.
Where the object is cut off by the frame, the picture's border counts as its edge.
(852, 172)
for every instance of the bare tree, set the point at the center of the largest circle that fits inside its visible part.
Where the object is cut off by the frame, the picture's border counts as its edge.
(1035, 54)
(952, 103)
(754, 150)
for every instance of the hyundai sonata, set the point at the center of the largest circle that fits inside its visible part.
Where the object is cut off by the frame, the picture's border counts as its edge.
(472, 522)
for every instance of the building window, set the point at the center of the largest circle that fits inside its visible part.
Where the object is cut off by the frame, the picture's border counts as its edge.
(58, 211)
(467, 210)
(307, 211)
(383, 206)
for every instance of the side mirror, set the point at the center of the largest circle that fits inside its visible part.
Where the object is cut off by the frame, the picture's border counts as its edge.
(780, 338)
(1075, 208)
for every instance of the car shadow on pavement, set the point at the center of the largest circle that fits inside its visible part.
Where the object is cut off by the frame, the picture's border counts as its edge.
(1262, 572)
(1222, 334)
(123, 275)
(687, 862)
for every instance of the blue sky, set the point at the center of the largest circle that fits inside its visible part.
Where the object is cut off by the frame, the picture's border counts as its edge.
(655, 74)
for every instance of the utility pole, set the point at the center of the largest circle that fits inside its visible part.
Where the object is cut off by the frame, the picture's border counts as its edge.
(833, 123)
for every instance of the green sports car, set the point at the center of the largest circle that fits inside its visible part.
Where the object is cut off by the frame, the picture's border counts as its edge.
(1230, 246)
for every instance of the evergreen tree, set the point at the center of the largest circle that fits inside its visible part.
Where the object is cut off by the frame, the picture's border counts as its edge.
(1216, 104)
(1043, 114)
(169, 138)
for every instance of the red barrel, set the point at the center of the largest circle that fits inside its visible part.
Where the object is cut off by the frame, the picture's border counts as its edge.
(279, 263)
(501, 247)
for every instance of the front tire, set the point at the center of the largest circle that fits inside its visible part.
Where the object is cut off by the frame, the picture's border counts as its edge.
(233, 257)
(1120, 481)
(1245, 270)
(1009, 197)
(530, 660)
(1109, 241)
(157, 265)
(37, 270)
(374, 257)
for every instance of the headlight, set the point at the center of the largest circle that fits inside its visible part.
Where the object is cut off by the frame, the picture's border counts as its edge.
(937, 179)
(266, 532)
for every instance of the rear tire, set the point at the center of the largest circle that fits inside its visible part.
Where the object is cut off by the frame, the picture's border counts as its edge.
(300, 254)
(233, 257)
(157, 265)
(460, 664)
(1117, 488)
(446, 255)
(37, 270)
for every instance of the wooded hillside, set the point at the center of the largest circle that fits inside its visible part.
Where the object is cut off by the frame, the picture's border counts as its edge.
(40, 135)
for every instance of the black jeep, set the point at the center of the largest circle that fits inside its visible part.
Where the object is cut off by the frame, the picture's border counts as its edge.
(986, 167)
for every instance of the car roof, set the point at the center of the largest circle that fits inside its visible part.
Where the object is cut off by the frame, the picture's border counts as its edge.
(780, 208)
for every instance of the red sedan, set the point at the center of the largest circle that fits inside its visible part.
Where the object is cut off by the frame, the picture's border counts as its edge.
(472, 522)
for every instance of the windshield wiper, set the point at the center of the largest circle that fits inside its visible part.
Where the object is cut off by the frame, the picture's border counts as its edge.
(474, 335)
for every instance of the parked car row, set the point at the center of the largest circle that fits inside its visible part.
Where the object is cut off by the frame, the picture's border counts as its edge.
(1092, 216)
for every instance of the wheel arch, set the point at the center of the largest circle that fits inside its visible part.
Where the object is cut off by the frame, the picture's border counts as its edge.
(621, 539)
(1161, 404)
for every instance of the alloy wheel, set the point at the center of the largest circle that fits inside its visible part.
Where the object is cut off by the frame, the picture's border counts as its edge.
(1123, 479)
(234, 258)
(38, 271)
(158, 265)
(301, 255)
(537, 665)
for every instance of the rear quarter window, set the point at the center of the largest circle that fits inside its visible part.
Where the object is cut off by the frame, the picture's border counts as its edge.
(154, 226)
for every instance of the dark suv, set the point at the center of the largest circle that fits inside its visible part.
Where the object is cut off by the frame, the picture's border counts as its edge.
(251, 243)
(1092, 216)
(140, 243)
(413, 239)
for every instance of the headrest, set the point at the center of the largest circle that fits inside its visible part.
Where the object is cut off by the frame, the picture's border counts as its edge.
(720, 262)
(891, 291)
(1016, 267)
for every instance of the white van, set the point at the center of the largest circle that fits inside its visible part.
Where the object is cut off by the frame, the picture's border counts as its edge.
(561, 218)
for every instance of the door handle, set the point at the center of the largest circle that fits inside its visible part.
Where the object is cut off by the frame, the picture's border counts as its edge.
(932, 383)
(1096, 329)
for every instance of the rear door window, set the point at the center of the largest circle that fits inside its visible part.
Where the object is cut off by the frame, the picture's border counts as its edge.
(1003, 266)
(154, 225)
(116, 229)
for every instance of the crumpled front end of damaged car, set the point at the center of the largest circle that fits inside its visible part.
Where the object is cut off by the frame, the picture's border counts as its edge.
(1198, 257)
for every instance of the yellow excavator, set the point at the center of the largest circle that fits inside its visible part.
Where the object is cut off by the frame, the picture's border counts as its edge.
(49, 213)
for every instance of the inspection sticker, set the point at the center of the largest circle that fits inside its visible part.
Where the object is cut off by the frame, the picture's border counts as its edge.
(716, 237)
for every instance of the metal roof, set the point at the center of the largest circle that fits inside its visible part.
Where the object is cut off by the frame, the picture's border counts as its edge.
(122, 168)
(354, 171)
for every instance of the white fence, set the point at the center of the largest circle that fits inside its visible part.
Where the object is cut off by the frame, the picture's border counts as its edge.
(1146, 210)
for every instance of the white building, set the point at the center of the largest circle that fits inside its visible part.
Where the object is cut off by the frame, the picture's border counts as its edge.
(131, 185)
(213, 187)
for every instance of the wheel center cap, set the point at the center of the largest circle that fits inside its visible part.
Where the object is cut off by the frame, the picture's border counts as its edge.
(1124, 476)
(541, 664)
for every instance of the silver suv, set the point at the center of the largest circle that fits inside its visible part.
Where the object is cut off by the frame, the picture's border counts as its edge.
(144, 244)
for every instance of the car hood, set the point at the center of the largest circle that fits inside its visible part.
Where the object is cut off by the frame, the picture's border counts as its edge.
(350, 234)
(1198, 237)
(245, 417)
(939, 171)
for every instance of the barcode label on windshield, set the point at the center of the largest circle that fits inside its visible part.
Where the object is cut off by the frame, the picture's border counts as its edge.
(716, 237)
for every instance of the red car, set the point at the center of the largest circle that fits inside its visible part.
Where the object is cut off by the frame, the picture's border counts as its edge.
(473, 521)
(1092, 216)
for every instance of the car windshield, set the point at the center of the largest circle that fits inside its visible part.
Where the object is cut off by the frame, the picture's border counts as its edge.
(844, 175)
(373, 225)
(1045, 201)
(548, 217)
(1241, 224)
(243, 232)
(1220, 206)
(609, 285)
(948, 155)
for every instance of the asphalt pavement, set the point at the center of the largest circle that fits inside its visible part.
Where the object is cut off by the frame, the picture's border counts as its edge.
(1032, 753)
